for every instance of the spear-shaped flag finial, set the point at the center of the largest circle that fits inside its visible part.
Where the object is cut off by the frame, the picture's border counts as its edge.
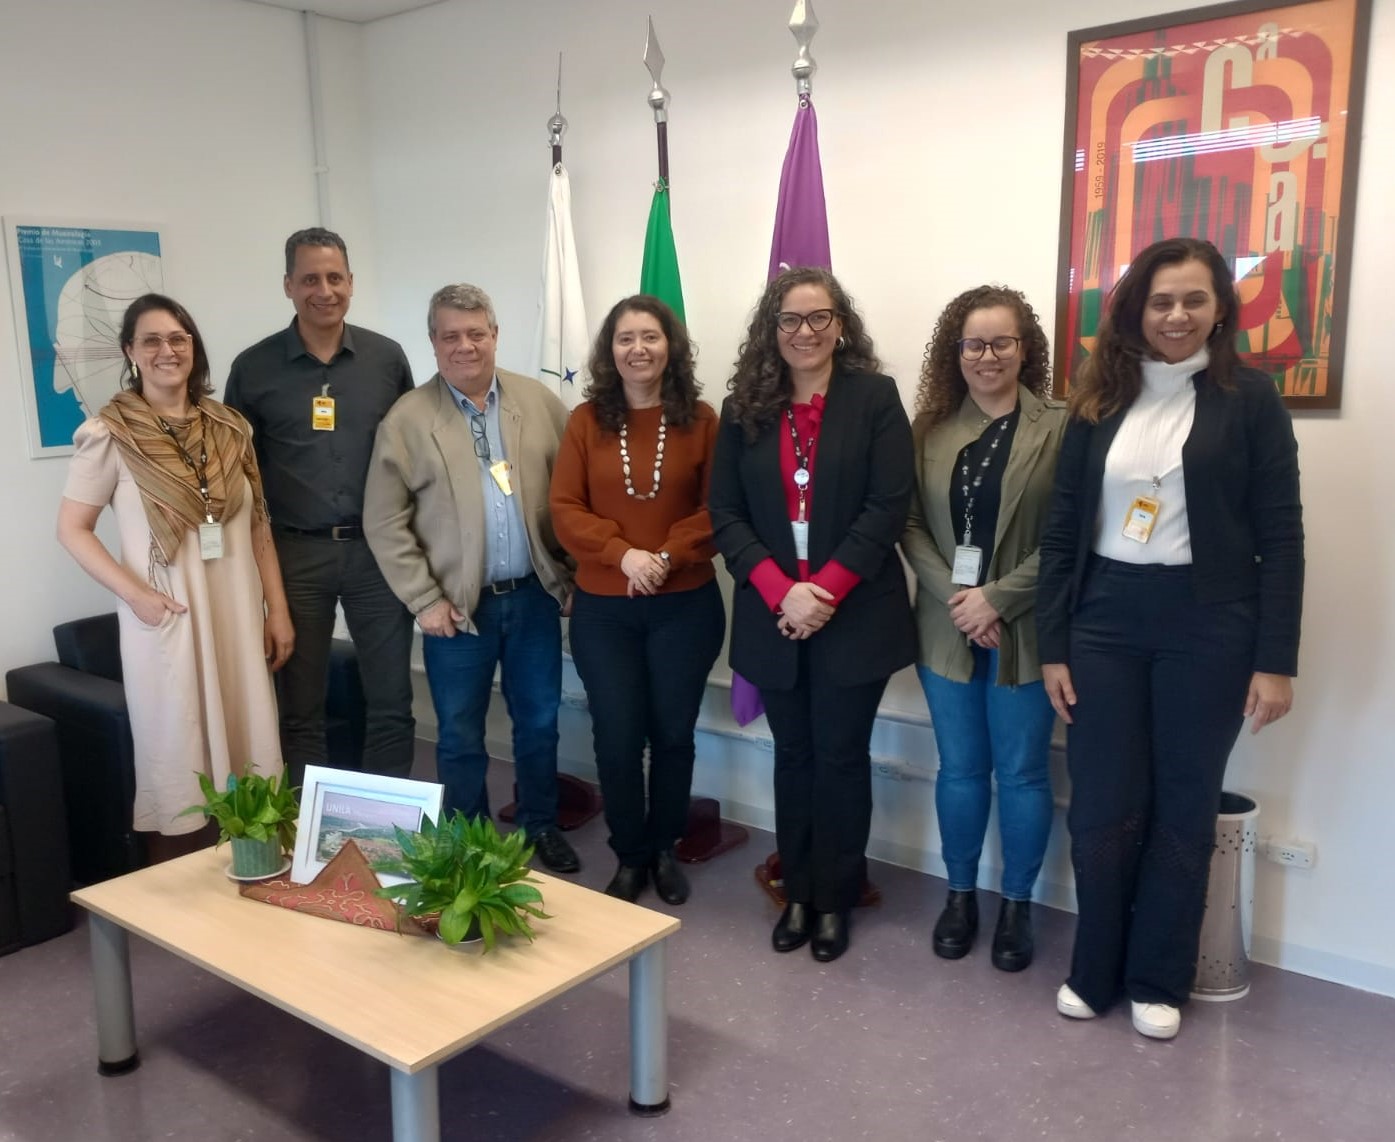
(803, 23)
(557, 125)
(654, 61)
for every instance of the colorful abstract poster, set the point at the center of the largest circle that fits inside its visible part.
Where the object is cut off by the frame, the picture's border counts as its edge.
(1236, 124)
(71, 286)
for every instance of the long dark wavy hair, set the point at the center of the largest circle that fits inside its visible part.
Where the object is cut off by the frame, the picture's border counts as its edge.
(942, 385)
(760, 384)
(1112, 375)
(678, 392)
(199, 383)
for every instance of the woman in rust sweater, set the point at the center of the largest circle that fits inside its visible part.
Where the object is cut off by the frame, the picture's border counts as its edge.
(629, 493)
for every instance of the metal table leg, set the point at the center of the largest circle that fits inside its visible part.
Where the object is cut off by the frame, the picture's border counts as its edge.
(111, 986)
(416, 1106)
(648, 1033)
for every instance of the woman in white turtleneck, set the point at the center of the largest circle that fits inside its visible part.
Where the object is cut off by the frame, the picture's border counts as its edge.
(1168, 610)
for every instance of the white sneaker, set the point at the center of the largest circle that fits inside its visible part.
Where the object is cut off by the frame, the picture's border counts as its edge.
(1071, 1005)
(1156, 1020)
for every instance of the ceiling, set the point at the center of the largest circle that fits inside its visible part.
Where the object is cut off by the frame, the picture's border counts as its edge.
(355, 11)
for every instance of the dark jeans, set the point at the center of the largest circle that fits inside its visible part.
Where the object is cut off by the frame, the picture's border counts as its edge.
(520, 631)
(644, 662)
(1161, 682)
(823, 785)
(319, 573)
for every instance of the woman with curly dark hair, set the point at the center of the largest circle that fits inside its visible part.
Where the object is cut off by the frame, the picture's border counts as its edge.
(987, 438)
(1168, 612)
(629, 488)
(810, 485)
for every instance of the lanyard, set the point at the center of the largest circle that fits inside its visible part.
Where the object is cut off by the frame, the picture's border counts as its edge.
(200, 469)
(802, 460)
(970, 491)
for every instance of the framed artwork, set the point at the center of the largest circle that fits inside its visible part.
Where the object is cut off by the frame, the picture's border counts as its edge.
(71, 283)
(338, 805)
(1239, 124)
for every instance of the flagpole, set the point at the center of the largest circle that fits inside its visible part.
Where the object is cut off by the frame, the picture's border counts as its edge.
(557, 125)
(658, 98)
(803, 23)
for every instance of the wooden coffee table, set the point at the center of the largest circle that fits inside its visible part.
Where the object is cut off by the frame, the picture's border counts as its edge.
(410, 1002)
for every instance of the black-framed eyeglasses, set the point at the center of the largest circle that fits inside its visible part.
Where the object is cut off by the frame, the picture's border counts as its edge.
(817, 320)
(973, 348)
(477, 430)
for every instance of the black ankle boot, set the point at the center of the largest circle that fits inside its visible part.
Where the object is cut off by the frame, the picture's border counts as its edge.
(957, 926)
(669, 881)
(830, 936)
(628, 882)
(1012, 939)
(792, 930)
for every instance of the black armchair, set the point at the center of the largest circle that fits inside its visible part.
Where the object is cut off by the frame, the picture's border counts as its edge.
(82, 692)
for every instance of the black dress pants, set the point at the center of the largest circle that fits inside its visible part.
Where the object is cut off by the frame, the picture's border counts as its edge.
(644, 662)
(1161, 682)
(823, 784)
(319, 573)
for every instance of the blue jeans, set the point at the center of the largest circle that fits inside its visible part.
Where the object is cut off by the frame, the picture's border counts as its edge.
(985, 731)
(522, 631)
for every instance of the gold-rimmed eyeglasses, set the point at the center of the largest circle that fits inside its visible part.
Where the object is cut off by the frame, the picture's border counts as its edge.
(151, 342)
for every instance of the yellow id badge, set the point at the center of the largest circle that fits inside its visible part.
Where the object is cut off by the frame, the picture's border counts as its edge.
(322, 414)
(500, 471)
(1143, 517)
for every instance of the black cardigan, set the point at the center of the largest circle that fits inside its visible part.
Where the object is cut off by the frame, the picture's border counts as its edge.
(864, 474)
(1240, 469)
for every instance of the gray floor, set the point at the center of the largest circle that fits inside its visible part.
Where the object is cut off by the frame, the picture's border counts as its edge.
(888, 1043)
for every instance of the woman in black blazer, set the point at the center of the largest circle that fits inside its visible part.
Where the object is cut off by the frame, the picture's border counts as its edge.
(811, 482)
(1167, 611)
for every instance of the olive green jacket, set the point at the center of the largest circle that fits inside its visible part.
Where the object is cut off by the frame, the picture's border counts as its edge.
(1010, 584)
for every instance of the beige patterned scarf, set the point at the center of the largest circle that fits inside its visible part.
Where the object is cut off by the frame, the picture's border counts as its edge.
(168, 488)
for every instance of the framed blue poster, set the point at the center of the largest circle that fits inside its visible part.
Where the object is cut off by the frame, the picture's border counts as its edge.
(71, 284)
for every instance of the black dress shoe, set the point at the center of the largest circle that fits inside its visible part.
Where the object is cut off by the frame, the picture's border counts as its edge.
(830, 936)
(1012, 939)
(792, 929)
(957, 926)
(554, 850)
(628, 882)
(669, 880)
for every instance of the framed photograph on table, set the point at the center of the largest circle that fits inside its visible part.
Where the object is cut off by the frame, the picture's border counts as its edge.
(1238, 123)
(71, 282)
(338, 805)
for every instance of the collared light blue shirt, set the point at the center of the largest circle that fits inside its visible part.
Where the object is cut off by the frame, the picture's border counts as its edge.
(506, 554)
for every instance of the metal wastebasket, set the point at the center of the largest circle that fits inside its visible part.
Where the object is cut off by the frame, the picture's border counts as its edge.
(1223, 960)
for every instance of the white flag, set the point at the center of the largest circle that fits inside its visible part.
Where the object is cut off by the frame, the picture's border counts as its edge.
(562, 342)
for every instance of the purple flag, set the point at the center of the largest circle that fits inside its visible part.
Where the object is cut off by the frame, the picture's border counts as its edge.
(801, 239)
(801, 220)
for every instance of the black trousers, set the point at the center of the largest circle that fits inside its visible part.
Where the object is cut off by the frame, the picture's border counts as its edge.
(644, 662)
(823, 784)
(1161, 682)
(319, 573)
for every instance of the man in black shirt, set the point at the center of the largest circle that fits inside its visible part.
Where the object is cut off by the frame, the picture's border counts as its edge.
(314, 394)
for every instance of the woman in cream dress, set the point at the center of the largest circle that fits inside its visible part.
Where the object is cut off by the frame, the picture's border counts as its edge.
(201, 606)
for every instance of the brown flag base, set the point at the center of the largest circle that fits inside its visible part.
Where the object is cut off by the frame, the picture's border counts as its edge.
(577, 803)
(770, 878)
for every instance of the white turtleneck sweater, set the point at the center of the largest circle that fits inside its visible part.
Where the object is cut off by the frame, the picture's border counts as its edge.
(1148, 446)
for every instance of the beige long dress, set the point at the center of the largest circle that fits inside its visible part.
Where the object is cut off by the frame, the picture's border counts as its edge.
(197, 685)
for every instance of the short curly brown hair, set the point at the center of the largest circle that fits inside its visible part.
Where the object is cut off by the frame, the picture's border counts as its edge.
(678, 391)
(760, 385)
(942, 386)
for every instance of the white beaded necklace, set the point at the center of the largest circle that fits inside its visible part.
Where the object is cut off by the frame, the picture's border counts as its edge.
(658, 458)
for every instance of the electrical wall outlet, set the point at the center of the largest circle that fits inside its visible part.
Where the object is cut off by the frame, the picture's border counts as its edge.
(1291, 853)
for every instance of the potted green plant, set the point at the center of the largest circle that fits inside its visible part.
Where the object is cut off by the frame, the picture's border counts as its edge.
(477, 880)
(258, 815)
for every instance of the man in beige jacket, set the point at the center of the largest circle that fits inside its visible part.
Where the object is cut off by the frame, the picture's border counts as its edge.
(456, 514)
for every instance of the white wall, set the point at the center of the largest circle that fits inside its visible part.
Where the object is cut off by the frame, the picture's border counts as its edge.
(194, 114)
(941, 131)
